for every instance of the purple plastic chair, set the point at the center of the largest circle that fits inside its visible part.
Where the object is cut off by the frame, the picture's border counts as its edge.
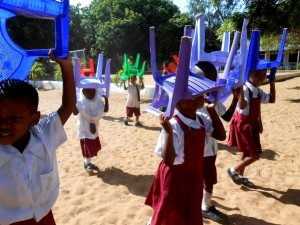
(254, 63)
(218, 58)
(235, 77)
(16, 62)
(183, 84)
(97, 81)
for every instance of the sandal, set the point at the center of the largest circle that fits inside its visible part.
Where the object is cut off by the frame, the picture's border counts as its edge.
(245, 182)
(234, 177)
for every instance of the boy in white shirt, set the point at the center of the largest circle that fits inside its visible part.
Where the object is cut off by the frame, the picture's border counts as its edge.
(29, 183)
(133, 100)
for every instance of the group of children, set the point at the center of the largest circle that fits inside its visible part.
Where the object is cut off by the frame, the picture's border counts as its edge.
(188, 148)
(28, 166)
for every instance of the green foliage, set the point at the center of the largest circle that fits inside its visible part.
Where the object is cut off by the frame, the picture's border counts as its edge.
(117, 78)
(115, 27)
(57, 73)
(228, 25)
(37, 71)
(215, 11)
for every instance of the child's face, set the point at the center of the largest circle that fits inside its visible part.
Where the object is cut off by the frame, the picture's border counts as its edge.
(257, 77)
(16, 118)
(89, 93)
(133, 79)
(188, 107)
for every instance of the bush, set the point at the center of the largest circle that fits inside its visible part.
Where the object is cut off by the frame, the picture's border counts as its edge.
(117, 79)
(37, 71)
(57, 73)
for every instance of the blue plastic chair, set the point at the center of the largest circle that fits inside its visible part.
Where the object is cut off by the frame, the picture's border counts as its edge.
(235, 77)
(97, 81)
(16, 62)
(183, 84)
(254, 63)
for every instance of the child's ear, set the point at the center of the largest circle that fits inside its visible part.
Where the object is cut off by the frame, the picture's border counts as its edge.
(36, 118)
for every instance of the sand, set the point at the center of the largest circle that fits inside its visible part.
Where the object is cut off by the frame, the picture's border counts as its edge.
(116, 193)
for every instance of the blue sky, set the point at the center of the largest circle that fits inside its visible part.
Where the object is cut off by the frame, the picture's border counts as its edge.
(180, 3)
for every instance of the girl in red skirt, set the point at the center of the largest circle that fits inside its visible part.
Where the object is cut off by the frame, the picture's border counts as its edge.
(89, 109)
(176, 192)
(246, 124)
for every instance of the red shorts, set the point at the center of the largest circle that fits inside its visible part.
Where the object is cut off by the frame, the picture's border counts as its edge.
(90, 147)
(209, 170)
(47, 220)
(132, 110)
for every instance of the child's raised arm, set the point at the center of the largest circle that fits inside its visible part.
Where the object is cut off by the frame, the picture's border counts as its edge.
(106, 104)
(168, 153)
(219, 130)
(69, 95)
(272, 92)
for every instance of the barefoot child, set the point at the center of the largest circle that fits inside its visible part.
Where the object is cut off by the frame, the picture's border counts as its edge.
(89, 109)
(29, 181)
(246, 124)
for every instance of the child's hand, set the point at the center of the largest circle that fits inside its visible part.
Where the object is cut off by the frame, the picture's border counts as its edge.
(237, 92)
(164, 121)
(210, 106)
(60, 61)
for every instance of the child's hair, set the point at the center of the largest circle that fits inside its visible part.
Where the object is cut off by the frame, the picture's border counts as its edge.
(207, 68)
(18, 89)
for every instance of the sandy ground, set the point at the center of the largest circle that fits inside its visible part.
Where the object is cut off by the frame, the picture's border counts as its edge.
(116, 193)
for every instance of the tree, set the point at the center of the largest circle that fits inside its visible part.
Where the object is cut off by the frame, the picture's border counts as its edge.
(77, 31)
(215, 11)
(115, 27)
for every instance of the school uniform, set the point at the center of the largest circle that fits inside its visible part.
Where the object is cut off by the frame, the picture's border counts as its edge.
(211, 150)
(246, 125)
(90, 112)
(176, 192)
(133, 100)
(29, 183)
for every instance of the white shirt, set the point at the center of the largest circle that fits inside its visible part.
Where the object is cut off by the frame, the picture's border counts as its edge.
(90, 111)
(256, 91)
(178, 134)
(211, 144)
(29, 181)
(132, 97)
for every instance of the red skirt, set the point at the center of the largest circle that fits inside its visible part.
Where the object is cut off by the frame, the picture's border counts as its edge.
(47, 220)
(176, 196)
(210, 170)
(90, 147)
(244, 135)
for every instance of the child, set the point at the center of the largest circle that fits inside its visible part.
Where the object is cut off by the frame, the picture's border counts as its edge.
(211, 148)
(133, 100)
(89, 109)
(29, 182)
(246, 124)
(176, 192)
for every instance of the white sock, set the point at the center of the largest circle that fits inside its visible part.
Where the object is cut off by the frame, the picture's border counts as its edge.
(206, 200)
(232, 170)
(87, 160)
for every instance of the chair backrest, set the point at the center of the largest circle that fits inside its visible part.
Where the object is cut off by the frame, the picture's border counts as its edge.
(255, 63)
(16, 62)
(218, 58)
(97, 81)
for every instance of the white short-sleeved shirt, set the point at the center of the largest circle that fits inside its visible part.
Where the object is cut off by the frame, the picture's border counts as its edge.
(132, 97)
(93, 111)
(211, 144)
(256, 91)
(178, 134)
(29, 181)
